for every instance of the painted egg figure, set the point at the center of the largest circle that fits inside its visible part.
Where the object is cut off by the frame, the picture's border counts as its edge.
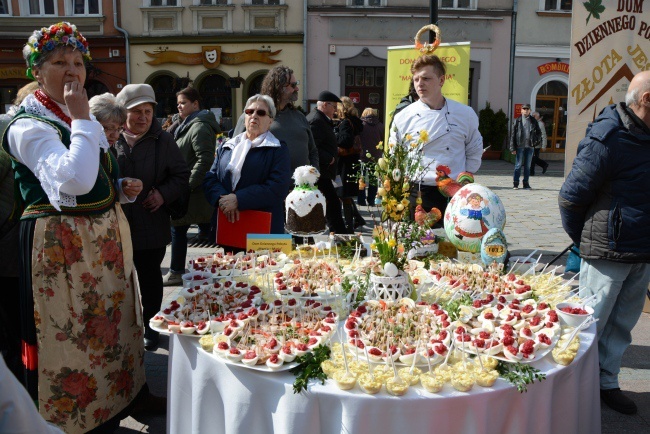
(494, 247)
(470, 214)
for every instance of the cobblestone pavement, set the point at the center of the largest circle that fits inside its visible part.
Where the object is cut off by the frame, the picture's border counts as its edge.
(533, 222)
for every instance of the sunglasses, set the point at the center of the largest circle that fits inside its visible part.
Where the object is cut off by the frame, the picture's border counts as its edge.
(260, 112)
(294, 84)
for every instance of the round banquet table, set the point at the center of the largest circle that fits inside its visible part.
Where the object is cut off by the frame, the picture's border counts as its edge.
(207, 395)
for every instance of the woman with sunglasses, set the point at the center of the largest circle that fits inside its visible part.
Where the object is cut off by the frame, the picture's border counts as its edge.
(252, 170)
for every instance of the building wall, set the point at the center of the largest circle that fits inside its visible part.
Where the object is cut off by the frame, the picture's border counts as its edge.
(350, 30)
(188, 37)
(107, 46)
(542, 38)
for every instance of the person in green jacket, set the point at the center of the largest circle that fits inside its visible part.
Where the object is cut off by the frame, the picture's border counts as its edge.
(195, 132)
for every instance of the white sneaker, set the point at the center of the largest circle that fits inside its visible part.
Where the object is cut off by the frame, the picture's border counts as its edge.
(172, 279)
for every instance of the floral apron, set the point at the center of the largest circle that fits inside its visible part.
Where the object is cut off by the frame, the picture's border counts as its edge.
(88, 319)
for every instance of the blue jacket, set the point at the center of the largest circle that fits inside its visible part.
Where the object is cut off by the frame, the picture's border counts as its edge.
(605, 200)
(264, 182)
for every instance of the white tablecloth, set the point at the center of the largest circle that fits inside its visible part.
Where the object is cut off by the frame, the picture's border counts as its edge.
(208, 396)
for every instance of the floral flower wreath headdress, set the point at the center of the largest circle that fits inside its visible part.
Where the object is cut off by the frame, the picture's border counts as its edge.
(425, 47)
(48, 38)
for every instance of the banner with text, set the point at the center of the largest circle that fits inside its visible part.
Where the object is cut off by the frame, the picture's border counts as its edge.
(456, 59)
(610, 43)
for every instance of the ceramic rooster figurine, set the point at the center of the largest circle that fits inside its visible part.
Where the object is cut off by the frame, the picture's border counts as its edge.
(427, 219)
(447, 186)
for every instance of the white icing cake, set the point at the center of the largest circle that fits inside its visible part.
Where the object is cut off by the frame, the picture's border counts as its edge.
(305, 205)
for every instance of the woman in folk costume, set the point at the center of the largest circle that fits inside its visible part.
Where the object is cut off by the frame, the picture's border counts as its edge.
(80, 310)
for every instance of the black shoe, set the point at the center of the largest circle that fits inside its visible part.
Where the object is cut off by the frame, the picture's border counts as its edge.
(544, 169)
(149, 404)
(358, 222)
(616, 400)
(515, 186)
(526, 186)
(150, 344)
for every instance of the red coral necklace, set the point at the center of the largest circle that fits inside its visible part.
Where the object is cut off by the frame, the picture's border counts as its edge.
(52, 106)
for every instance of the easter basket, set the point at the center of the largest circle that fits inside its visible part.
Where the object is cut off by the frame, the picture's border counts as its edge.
(389, 288)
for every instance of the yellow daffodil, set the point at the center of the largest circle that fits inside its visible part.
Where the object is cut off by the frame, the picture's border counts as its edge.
(392, 243)
(380, 145)
(408, 137)
(373, 246)
(424, 136)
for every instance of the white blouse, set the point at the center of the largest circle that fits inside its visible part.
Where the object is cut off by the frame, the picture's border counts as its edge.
(63, 173)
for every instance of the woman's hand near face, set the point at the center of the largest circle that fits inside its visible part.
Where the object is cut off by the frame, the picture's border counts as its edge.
(153, 201)
(131, 186)
(76, 99)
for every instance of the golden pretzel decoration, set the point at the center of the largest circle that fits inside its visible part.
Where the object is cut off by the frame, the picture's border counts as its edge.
(425, 47)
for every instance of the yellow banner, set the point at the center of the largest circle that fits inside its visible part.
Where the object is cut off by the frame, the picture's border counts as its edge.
(607, 50)
(398, 74)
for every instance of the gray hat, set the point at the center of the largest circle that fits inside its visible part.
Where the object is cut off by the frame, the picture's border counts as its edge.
(134, 94)
(327, 96)
(526, 106)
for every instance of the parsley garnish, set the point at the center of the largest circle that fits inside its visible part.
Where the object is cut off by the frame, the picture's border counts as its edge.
(519, 374)
(309, 367)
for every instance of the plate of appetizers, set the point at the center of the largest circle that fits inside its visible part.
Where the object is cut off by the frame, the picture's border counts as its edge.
(261, 366)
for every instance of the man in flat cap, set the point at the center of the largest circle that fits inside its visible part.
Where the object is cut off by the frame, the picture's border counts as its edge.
(322, 128)
(525, 136)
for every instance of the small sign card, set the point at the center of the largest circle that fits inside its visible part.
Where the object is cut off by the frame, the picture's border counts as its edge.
(270, 242)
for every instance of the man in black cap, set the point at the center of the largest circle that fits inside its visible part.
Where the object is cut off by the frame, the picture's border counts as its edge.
(322, 128)
(525, 136)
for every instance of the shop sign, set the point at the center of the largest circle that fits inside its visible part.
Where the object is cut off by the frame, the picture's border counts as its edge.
(553, 67)
(355, 97)
(607, 49)
(12, 72)
(211, 57)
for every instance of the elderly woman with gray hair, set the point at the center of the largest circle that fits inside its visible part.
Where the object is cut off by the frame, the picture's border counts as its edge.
(110, 114)
(251, 171)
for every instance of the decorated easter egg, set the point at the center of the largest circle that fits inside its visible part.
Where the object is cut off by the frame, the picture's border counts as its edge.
(390, 269)
(471, 213)
(494, 247)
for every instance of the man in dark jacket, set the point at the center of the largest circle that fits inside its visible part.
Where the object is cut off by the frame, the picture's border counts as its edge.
(322, 128)
(605, 209)
(525, 136)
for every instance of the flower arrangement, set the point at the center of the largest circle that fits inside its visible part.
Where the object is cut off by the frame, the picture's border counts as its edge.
(47, 38)
(398, 166)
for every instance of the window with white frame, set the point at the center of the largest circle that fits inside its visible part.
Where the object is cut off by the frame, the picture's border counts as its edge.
(457, 4)
(265, 2)
(5, 7)
(164, 3)
(39, 7)
(211, 16)
(162, 17)
(367, 3)
(268, 17)
(556, 5)
(85, 7)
